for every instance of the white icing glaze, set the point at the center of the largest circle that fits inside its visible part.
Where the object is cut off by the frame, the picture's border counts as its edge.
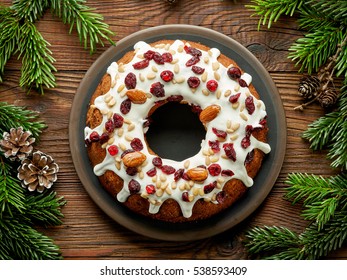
(231, 118)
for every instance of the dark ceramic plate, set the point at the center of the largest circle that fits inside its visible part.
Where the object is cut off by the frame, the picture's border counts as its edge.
(264, 181)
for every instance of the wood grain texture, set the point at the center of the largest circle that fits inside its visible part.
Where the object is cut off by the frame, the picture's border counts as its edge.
(87, 233)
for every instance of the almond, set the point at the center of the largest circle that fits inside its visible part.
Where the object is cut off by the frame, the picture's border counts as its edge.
(209, 113)
(197, 174)
(133, 159)
(136, 96)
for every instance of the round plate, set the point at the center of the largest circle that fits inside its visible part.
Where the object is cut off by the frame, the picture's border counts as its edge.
(263, 182)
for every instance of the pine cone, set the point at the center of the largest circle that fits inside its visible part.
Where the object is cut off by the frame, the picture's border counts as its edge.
(308, 87)
(38, 172)
(17, 144)
(328, 98)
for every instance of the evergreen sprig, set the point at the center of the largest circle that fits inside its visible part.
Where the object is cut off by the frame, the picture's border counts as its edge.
(20, 210)
(325, 202)
(19, 35)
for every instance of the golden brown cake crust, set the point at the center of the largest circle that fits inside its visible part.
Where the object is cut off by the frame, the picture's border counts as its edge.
(170, 210)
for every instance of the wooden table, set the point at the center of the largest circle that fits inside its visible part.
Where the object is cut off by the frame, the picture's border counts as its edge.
(87, 233)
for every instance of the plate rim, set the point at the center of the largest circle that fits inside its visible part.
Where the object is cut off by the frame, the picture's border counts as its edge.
(95, 194)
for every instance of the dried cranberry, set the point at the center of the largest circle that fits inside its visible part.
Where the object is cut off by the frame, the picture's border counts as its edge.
(118, 120)
(167, 57)
(134, 186)
(130, 81)
(112, 150)
(263, 122)
(193, 82)
(196, 109)
(234, 73)
(157, 89)
(136, 144)
(157, 162)
(194, 60)
(125, 106)
(185, 196)
(249, 157)
(249, 103)
(210, 187)
(167, 169)
(192, 51)
(131, 171)
(109, 126)
(128, 151)
(233, 98)
(94, 136)
(214, 146)
(152, 172)
(245, 142)
(212, 85)
(166, 75)
(198, 70)
(178, 174)
(141, 64)
(175, 98)
(227, 173)
(219, 133)
(242, 83)
(158, 58)
(185, 177)
(147, 122)
(149, 54)
(220, 197)
(230, 151)
(150, 189)
(248, 129)
(104, 137)
(214, 169)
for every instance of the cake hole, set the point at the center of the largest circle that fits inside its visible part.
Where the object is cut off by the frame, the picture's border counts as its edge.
(175, 132)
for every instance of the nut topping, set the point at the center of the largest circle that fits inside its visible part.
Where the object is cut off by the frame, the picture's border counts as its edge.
(133, 159)
(209, 113)
(197, 174)
(137, 96)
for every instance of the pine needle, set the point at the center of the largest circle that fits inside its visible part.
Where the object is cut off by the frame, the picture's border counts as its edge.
(30, 12)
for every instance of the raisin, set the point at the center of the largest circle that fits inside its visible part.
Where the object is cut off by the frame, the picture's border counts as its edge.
(194, 60)
(134, 186)
(157, 162)
(210, 187)
(167, 75)
(234, 73)
(167, 169)
(230, 151)
(233, 98)
(125, 106)
(131, 171)
(167, 57)
(249, 103)
(198, 70)
(219, 133)
(157, 89)
(136, 144)
(193, 82)
(130, 81)
(141, 64)
(118, 120)
(185, 196)
(214, 169)
(152, 172)
(94, 136)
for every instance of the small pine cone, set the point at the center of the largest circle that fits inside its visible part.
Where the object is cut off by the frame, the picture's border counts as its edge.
(38, 172)
(308, 87)
(328, 98)
(17, 144)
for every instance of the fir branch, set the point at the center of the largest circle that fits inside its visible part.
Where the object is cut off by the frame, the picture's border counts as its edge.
(21, 241)
(16, 116)
(270, 10)
(89, 25)
(312, 51)
(9, 27)
(311, 20)
(335, 10)
(44, 208)
(37, 62)
(31, 11)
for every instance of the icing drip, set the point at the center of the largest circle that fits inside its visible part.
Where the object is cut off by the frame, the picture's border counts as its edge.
(234, 119)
